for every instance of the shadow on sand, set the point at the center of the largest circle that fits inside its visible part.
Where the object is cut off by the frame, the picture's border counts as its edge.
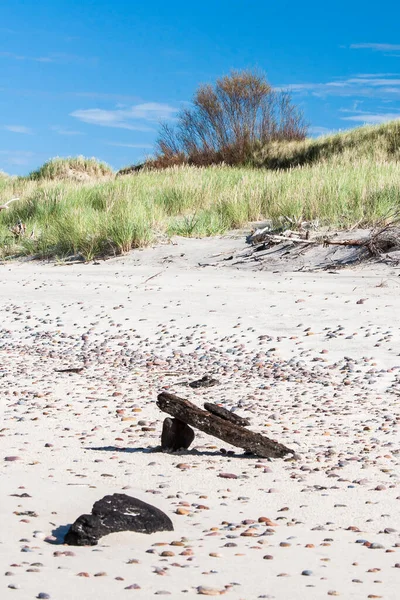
(157, 449)
(59, 534)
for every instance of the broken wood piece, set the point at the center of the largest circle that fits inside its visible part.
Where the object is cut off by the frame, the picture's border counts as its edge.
(224, 430)
(176, 435)
(362, 242)
(225, 414)
(5, 206)
(205, 381)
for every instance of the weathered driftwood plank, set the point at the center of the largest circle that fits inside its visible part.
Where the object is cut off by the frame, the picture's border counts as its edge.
(225, 414)
(224, 430)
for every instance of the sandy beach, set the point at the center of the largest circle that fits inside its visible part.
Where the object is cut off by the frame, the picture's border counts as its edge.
(312, 359)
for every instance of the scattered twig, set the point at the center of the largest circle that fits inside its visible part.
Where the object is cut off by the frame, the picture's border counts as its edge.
(70, 370)
(5, 206)
(149, 278)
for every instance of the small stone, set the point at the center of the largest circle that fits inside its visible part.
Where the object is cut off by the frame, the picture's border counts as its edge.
(182, 511)
(307, 573)
(208, 591)
(43, 596)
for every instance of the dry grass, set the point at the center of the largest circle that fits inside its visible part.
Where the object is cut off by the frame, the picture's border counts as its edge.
(356, 185)
(76, 168)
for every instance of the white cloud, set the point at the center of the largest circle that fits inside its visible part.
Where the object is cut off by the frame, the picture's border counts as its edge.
(372, 118)
(127, 117)
(63, 131)
(140, 146)
(374, 86)
(19, 129)
(377, 47)
(55, 57)
(317, 131)
(17, 157)
(22, 57)
(373, 81)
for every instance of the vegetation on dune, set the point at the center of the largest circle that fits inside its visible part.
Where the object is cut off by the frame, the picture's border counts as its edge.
(227, 122)
(371, 143)
(76, 168)
(356, 182)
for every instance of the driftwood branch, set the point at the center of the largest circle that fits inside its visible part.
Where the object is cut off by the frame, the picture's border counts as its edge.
(5, 206)
(225, 414)
(345, 242)
(227, 431)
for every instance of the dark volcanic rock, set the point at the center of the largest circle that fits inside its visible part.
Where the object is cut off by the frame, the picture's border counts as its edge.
(176, 435)
(206, 381)
(118, 512)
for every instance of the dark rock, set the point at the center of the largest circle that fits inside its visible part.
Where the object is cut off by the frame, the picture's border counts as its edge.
(176, 435)
(206, 381)
(118, 512)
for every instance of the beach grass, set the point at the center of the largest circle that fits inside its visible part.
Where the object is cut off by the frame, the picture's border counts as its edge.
(102, 215)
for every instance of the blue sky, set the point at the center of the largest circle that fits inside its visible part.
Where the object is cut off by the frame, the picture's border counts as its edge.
(96, 77)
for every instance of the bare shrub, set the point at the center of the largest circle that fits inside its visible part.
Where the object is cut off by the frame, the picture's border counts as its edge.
(228, 121)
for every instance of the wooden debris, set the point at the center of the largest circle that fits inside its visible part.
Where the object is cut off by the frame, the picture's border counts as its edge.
(205, 381)
(222, 412)
(5, 206)
(226, 431)
(19, 230)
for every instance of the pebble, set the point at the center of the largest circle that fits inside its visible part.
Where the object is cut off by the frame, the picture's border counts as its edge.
(209, 591)
(339, 412)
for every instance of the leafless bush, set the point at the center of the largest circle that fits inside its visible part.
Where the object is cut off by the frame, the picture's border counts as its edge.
(228, 121)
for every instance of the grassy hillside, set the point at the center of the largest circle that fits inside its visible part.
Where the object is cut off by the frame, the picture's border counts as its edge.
(342, 180)
(372, 143)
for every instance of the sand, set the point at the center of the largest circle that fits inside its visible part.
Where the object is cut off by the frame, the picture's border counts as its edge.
(311, 358)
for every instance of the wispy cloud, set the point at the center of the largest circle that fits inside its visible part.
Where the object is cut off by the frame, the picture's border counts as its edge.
(16, 157)
(54, 57)
(140, 146)
(371, 118)
(15, 56)
(64, 131)
(18, 129)
(128, 117)
(317, 131)
(376, 47)
(372, 85)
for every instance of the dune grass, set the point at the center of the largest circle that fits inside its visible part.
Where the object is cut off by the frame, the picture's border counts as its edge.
(373, 143)
(74, 167)
(107, 216)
